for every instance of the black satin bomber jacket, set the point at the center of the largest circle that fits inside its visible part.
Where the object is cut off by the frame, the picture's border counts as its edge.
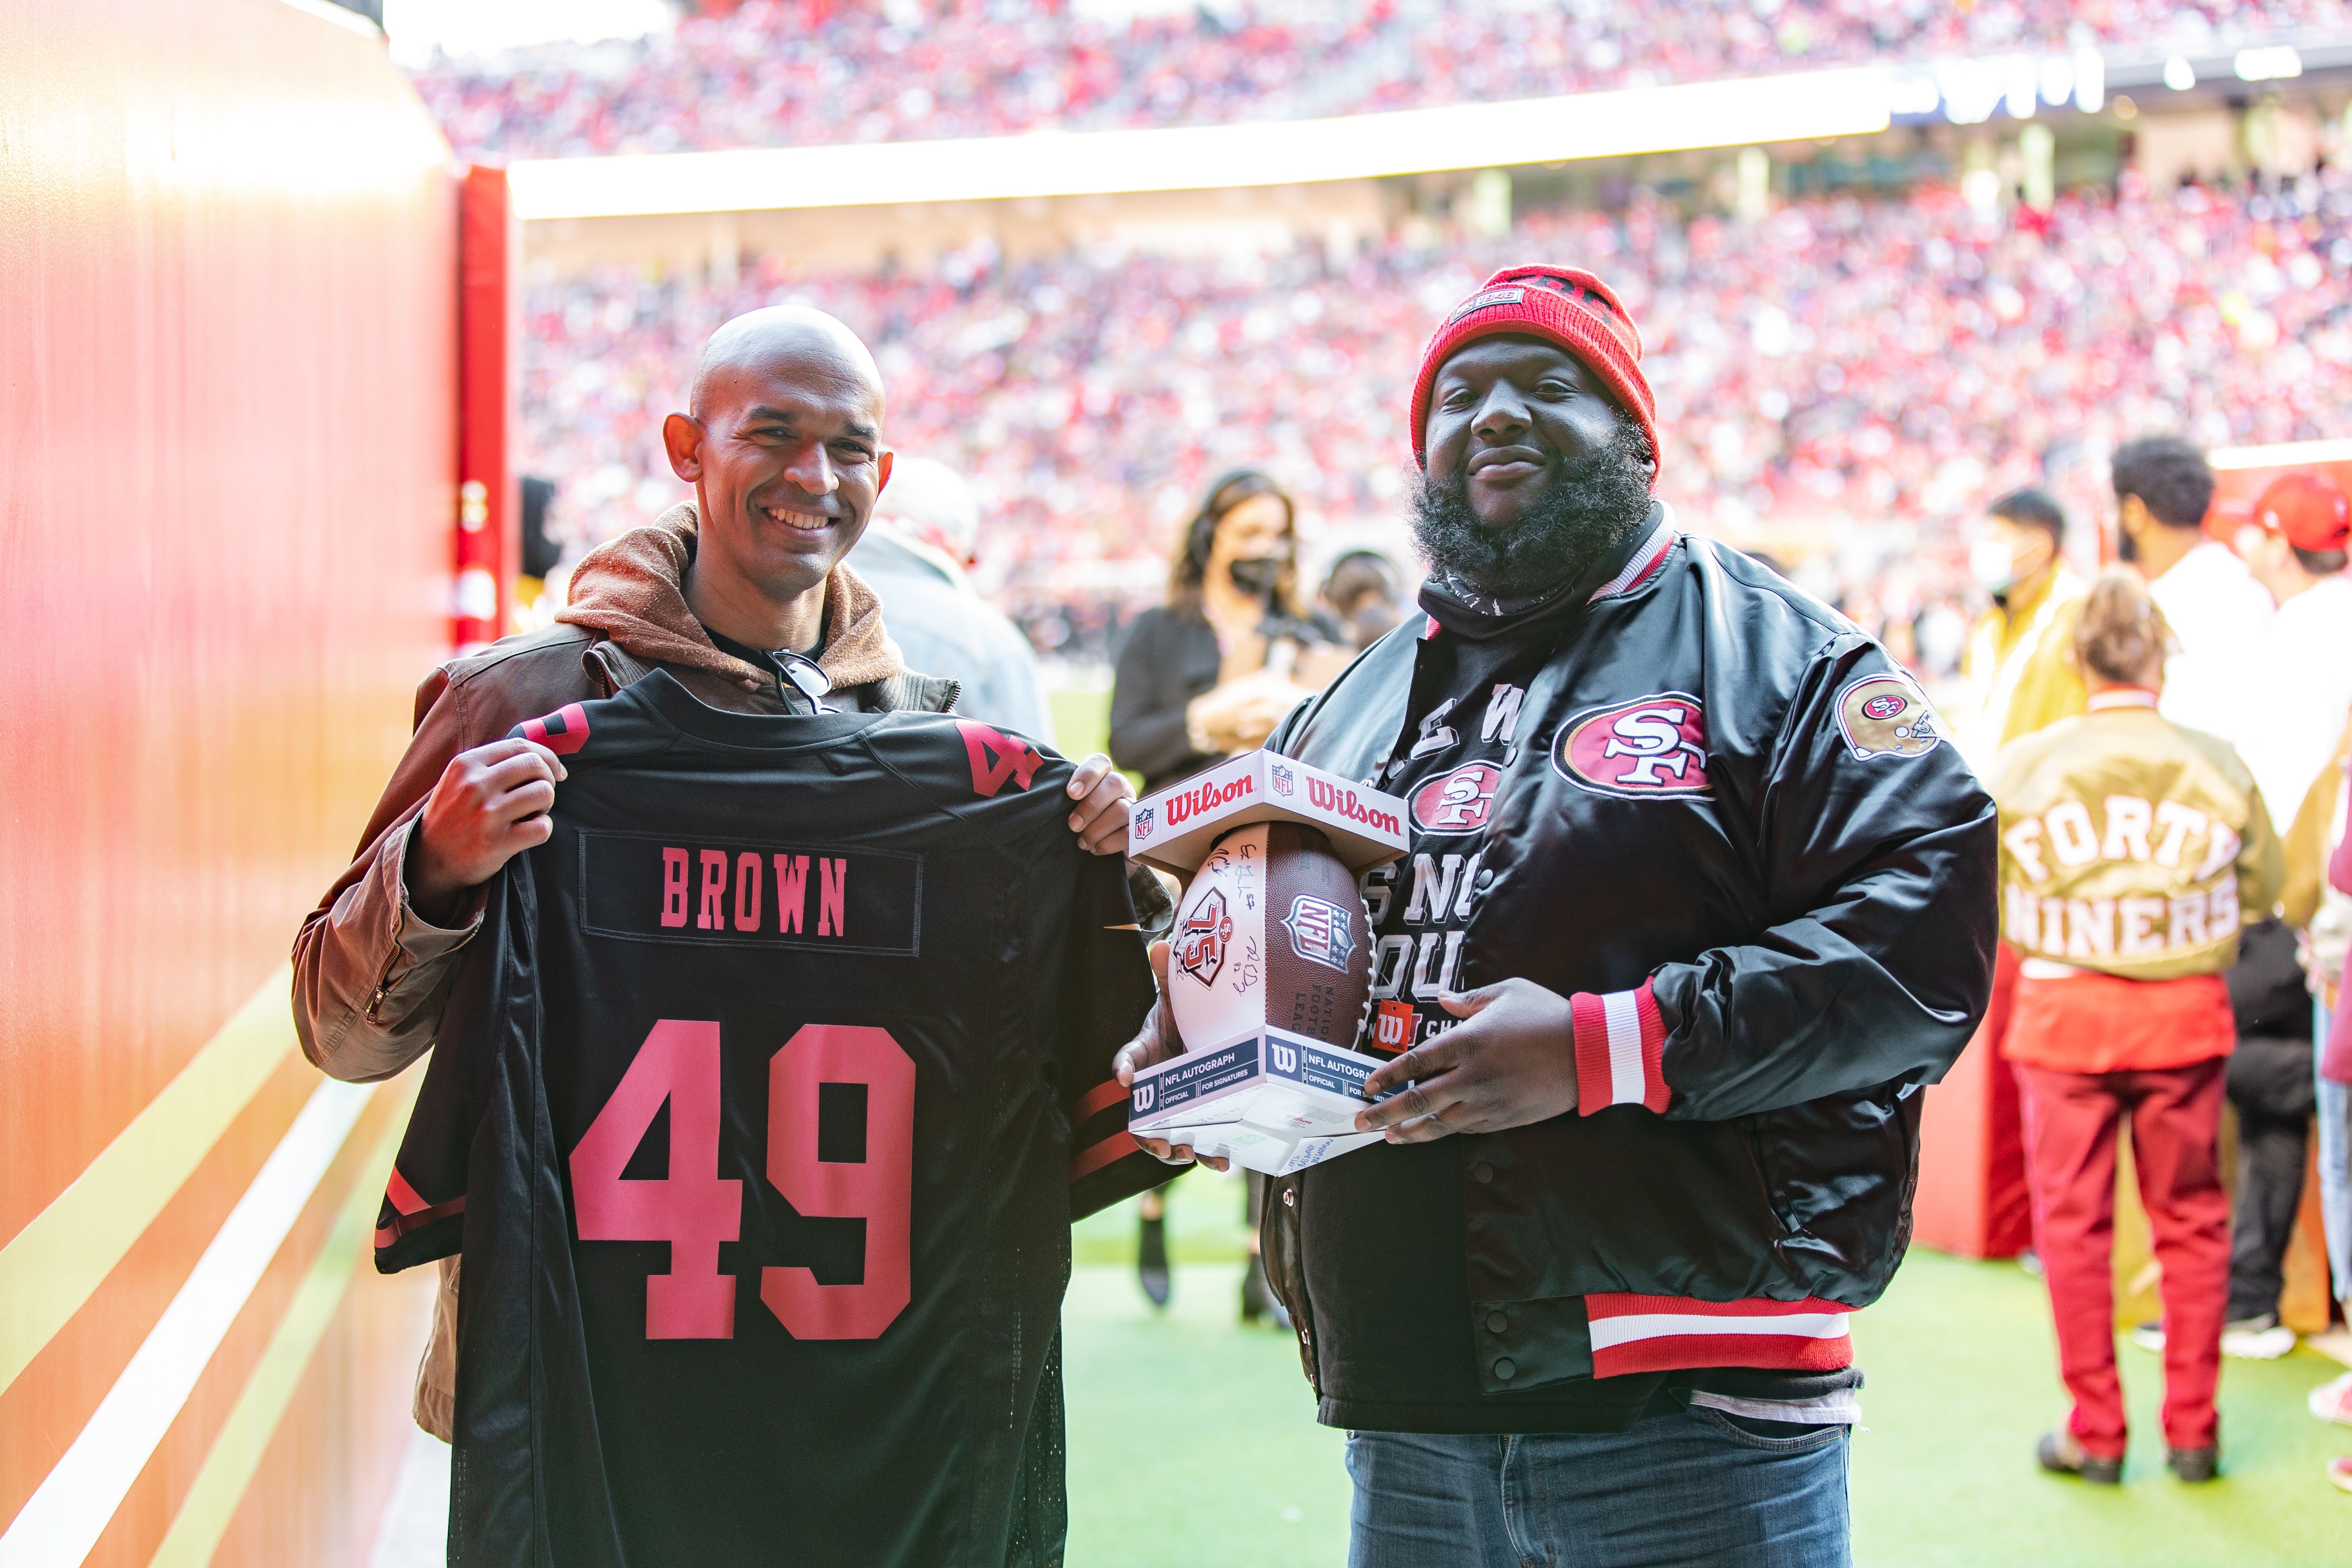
(1813, 926)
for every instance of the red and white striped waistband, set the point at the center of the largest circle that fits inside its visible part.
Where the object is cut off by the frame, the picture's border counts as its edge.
(1667, 1333)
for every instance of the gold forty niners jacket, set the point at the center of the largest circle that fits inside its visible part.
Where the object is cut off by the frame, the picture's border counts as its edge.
(2129, 845)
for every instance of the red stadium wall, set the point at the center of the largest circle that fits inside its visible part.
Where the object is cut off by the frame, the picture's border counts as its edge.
(228, 455)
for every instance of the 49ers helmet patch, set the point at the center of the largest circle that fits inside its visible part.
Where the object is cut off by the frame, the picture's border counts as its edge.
(1887, 716)
(1641, 749)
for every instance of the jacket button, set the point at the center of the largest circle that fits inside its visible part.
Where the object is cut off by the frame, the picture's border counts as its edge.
(1506, 1369)
(1496, 1323)
(1290, 1197)
(1483, 1172)
(1485, 878)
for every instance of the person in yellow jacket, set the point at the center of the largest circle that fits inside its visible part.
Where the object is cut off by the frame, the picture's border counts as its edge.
(2018, 669)
(2132, 849)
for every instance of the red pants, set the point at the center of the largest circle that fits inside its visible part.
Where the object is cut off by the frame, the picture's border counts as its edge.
(2070, 1157)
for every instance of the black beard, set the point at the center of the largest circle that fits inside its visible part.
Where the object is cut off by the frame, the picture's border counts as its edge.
(1587, 510)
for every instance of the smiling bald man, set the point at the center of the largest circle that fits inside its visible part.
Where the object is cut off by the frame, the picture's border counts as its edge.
(739, 594)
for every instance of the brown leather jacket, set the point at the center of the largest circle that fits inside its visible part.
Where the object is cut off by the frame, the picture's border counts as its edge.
(370, 977)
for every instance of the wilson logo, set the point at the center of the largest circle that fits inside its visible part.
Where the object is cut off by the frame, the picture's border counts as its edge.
(1344, 803)
(1649, 747)
(1285, 1057)
(1203, 798)
(1140, 1097)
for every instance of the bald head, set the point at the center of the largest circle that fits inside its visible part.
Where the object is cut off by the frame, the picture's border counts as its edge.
(784, 451)
(793, 340)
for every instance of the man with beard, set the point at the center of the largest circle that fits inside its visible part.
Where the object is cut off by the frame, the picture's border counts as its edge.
(1697, 898)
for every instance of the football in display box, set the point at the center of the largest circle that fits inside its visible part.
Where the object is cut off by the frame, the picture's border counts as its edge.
(1269, 965)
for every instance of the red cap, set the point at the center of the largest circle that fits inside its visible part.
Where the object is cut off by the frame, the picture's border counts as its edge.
(1564, 305)
(2309, 509)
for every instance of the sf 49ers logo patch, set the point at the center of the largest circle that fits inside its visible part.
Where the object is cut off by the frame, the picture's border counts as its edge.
(1650, 747)
(1199, 949)
(1458, 802)
(1319, 931)
(1886, 716)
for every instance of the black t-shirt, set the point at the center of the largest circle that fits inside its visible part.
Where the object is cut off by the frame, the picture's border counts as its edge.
(1382, 1228)
(774, 1082)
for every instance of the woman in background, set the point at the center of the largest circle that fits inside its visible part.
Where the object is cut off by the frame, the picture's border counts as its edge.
(1205, 676)
(2131, 849)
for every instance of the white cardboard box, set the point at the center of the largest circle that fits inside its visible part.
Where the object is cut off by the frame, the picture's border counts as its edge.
(1270, 1099)
(1174, 828)
(1261, 1095)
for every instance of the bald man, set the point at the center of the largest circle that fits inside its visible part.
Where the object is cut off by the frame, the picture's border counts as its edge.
(739, 594)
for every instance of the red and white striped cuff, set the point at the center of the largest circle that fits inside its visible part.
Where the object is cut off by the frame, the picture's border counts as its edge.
(1672, 1333)
(1621, 1044)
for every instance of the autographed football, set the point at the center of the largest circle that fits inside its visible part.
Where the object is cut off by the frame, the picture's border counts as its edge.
(1271, 930)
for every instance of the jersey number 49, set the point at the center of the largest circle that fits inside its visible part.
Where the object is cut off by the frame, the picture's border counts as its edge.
(694, 1208)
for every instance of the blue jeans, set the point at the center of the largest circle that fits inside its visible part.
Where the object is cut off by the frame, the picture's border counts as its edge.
(1696, 1487)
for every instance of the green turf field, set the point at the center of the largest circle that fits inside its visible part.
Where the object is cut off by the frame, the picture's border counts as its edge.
(1193, 1440)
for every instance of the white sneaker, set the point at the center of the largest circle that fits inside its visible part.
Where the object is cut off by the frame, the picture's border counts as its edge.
(2148, 1336)
(2333, 1401)
(2257, 1339)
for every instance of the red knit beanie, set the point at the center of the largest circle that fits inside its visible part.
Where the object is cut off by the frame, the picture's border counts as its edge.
(1561, 304)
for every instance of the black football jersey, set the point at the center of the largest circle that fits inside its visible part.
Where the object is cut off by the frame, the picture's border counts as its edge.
(774, 1082)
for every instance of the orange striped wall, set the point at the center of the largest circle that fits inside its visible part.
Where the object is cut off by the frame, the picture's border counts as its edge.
(227, 367)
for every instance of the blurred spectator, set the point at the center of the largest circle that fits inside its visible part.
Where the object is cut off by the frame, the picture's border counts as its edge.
(2330, 929)
(2217, 611)
(2019, 664)
(913, 555)
(2271, 1083)
(536, 599)
(786, 72)
(2299, 684)
(1207, 675)
(1860, 372)
(1366, 592)
(2121, 1013)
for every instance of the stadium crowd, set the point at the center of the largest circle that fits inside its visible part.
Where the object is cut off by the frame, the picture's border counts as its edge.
(1876, 370)
(791, 72)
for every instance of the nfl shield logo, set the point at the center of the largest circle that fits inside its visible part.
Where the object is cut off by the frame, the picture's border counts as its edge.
(1138, 824)
(1281, 777)
(1201, 941)
(1318, 931)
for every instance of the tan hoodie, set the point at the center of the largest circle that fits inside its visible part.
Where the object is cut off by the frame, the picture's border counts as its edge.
(370, 977)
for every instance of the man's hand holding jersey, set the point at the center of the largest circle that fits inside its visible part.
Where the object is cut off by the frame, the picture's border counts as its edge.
(1099, 819)
(488, 806)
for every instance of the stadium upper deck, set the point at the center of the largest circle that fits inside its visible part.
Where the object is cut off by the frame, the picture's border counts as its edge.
(774, 73)
(1838, 363)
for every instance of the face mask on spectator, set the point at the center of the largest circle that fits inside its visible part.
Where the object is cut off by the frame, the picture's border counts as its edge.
(1992, 566)
(1256, 575)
